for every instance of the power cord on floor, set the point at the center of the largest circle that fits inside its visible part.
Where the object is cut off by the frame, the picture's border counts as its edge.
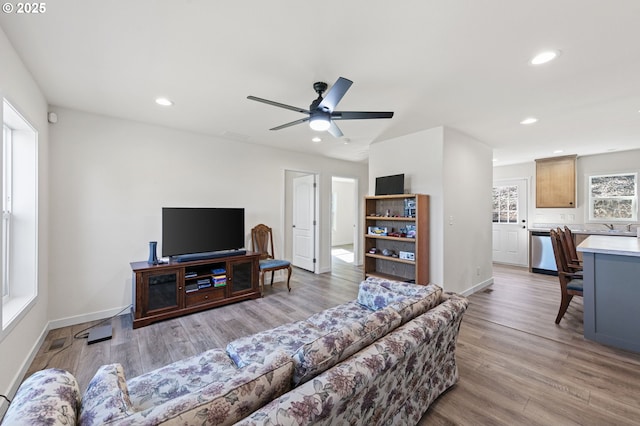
(77, 336)
(85, 335)
(8, 400)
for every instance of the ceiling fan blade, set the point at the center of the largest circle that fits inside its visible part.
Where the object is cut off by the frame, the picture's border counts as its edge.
(335, 130)
(278, 104)
(360, 115)
(334, 94)
(293, 123)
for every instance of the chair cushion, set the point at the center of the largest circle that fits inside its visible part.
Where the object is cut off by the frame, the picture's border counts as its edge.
(575, 285)
(107, 398)
(274, 264)
(47, 397)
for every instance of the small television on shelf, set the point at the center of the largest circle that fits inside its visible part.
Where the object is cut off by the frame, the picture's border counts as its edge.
(390, 185)
(190, 233)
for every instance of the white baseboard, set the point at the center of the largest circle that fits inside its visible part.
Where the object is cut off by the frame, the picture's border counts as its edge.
(79, 319)
(18, 378)
(478, 287)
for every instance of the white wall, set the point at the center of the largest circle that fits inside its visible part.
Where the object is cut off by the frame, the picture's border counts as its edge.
(419, 156)
(455, 171)
(18, 343)
(111, 177)
(614, 162)
(468, 179)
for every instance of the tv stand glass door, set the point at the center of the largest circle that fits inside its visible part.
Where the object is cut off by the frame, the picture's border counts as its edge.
(163, 291)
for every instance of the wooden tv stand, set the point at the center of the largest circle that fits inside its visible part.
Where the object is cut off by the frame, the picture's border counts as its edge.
(179, 288)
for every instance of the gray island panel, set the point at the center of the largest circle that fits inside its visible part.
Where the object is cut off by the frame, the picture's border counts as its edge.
(612, 291)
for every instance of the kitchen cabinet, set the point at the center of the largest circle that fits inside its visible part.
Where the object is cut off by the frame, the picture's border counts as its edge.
(556, 182)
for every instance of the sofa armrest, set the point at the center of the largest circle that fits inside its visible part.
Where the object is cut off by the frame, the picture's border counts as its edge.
(50, 397)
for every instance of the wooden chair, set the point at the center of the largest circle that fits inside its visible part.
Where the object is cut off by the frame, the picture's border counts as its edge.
(262, 242)
(570, 282)
(569, 248)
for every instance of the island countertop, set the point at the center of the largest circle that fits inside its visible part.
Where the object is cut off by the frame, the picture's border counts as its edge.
(606, 244)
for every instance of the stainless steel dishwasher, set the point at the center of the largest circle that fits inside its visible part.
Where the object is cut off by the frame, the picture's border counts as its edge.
(542, 259)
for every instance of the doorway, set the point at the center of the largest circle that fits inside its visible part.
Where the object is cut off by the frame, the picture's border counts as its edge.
(344, 211)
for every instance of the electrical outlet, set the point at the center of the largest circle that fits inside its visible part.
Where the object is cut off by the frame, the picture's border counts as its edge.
(450, 220)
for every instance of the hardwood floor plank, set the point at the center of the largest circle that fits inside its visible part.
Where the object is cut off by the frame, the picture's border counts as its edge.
(516, 365)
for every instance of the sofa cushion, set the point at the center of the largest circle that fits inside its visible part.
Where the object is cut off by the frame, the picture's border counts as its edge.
(237, 393)
(336, 317)
(374, 296)
(409, 300)
(323, 353)
(180, 378)
(107, 398)
(288, 338)
(409, 289)
(47, 397)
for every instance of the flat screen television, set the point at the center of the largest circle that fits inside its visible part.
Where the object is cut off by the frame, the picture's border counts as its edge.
(196, 230)
(389, 185)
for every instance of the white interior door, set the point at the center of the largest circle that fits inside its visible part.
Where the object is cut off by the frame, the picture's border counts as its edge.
(510, 234)
(304, 188)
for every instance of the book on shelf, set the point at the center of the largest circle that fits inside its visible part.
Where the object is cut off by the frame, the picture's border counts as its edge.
(220, 281)
(189, 288)
(191, 274)
(204, 285)
(218, 271)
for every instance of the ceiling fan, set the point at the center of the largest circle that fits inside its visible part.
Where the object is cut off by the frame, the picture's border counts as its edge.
(322, 110)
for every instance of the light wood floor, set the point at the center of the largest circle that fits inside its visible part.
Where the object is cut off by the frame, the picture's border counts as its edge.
(516, 366)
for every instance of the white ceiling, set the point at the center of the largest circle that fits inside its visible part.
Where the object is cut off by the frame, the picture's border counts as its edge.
(458, 63)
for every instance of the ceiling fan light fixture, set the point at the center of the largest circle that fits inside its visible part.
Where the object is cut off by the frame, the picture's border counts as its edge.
(320, 123)
(164, 101)
(544, 57)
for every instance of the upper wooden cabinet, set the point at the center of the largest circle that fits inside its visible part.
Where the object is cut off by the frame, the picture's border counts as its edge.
(556, 181)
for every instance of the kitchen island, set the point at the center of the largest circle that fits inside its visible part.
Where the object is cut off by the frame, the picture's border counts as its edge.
(612, 290)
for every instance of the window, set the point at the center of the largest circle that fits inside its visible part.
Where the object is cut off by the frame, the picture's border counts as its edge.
(6, 208)
(613, 197)
(505, 204)
(19, 242)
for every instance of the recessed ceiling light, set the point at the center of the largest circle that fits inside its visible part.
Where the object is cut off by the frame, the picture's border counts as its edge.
(529, 120)
(544, 57)
(558, 151)
(316, 139)
(164, 101)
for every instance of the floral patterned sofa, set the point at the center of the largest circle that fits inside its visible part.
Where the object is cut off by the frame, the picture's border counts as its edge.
(382, 358)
